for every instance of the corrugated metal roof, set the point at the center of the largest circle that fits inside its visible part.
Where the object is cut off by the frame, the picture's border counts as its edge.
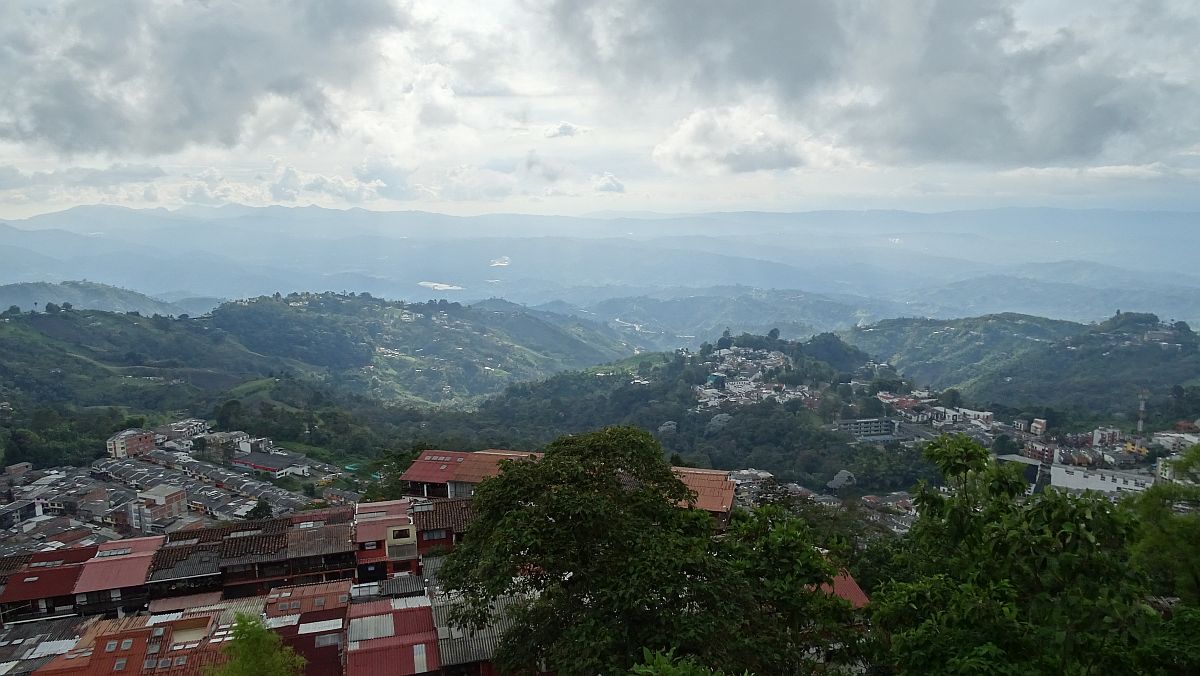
(400, 659)
(375, 626)
(40, 583)
(402, 585)
(319, 541)
(114, 572)
(319, 627)
(458, 645)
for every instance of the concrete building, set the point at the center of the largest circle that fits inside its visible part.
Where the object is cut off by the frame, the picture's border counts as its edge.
(1104, 481)
(159, 504)
(868, 427)
(130, 443)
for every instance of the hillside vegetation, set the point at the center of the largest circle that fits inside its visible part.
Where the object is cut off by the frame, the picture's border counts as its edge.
(419, 353)
(1020, 361)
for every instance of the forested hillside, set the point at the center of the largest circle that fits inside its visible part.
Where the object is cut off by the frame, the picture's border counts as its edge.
(420, 353)
(1020, 361)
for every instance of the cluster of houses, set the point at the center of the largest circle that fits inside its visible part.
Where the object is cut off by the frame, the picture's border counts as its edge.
(739, 376)
(353, 589)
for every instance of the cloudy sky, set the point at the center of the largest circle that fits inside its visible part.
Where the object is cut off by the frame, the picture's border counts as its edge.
(561, 106)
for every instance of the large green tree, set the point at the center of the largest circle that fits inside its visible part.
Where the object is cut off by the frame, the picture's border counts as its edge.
(1168, 543)
(258, 651)
(604, 562)
(992, 581)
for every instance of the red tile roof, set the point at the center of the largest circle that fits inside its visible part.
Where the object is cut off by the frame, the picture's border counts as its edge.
(114, 572)
(485, 464)
(845, 587)
(434, 467)
(40, 583)
(714, 491)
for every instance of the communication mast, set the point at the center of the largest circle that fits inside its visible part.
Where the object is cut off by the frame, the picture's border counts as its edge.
(1142, 397)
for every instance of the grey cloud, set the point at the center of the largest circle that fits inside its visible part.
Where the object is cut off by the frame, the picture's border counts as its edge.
(535, 166)
(608, 183)
(12, 178)
(790, 45)
(928, 81)
(157, 77)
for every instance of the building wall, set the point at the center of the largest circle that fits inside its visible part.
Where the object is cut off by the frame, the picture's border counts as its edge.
(1097, 480)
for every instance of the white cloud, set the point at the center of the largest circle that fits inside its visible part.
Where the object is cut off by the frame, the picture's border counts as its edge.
(608, 183)
(739, 139)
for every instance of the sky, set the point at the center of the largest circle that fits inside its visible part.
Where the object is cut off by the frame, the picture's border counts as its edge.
(586, 106)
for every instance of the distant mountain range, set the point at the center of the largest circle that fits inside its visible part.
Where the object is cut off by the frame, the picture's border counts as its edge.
(669, 275)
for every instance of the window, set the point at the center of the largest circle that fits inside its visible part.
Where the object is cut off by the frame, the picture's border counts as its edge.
(149, 664)
(127, 644)
(439, 534)
(110, 646)
(319, 603)
(283, 606)
(295, 605)
(400, 534)
(371, 545)
(325, 640)
(119, 665)
(114, 594)
(180, 661)
(164, 663)
(158, 631)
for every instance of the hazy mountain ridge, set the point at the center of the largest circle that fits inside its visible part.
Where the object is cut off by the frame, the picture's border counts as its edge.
(84, 296)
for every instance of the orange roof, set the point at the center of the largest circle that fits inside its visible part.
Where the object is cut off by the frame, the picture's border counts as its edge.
(114, 572)
(485, 464)
(845, 587)
(434, 467)
(714, 491)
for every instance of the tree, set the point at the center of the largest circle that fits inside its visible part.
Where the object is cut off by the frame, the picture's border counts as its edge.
(262, 510)
(51, 308)
(258, 651)
(725, 341)
(1168, 542)
(993, 582)
(590, 550)
(12, 311)
(950, 398)
(67, 307)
